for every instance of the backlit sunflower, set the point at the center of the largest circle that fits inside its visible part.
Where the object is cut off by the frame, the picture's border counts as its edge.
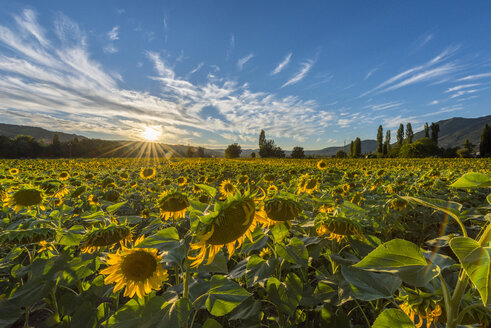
(25, 198)
(321, 165)
(63, 175)
(230, 223)
(421, 306)
(308, 184)
(108, 236)
(147, 173)
(339, 228)
(138, 270)
(124, 176)
(227, 188)
(181, 181)
(243, 179)
(173, 204)
(279, 209)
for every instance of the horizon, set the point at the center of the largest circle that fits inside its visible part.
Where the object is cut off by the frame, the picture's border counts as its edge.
(204, 75)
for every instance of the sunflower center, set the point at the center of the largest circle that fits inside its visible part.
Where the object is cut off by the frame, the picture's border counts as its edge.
(27, 197)
(147, 172)
(174, 203)
(138, 266)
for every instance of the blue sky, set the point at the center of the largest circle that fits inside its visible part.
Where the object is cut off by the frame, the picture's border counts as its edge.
(310, 73)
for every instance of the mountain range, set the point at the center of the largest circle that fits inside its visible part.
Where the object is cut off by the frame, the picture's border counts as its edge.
(453, 133)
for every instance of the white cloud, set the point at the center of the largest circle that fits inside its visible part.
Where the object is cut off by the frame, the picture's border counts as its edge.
(434, 102)
(475, 76)
(242, 61)
(113, 34)
(62, 85)
(282, 65)
(370, 73)
(301, 74)
(110, 49)
(197, 68)
(462, 86)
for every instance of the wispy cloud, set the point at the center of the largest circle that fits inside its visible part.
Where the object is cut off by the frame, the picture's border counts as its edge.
(421, 73)
(46, 85)
(113, 34)
(242, 61)
(301, 74)
(231, 46)
(462, 86)
(282, 65)
(197, 68)
(110, 49)
(475, 76)
(370, 73)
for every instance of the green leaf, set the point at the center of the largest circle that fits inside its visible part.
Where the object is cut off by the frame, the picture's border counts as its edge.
(166, 240)
(391, 318)
(401, 257)
(472, 180)
(177, 314)
(285, 295)
(369, 286)
(93, 216)
(295, 252)
(475, 261)
(259, 270)
(212, 323)
(393, 256)
(9, 313)
(451, 208)
(113, 208)
(224, 295)
(208, 189)
(279, 231)
(219, 265)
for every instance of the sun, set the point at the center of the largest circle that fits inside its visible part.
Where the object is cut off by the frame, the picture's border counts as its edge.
(150, 134)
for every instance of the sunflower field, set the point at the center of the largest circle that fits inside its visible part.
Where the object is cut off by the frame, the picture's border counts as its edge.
(245, 243)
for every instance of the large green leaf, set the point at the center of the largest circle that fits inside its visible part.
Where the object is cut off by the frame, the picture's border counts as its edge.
(472, 180)
(113, 208)
(279, 232)
(177, 314)
(475, 261)
(208, 189)
(391, 318)
(369, 286)
(403, 258)
(224, 295)
(295, 252)
(285, 295)
(166, 240)
(259, 270)
(451, 208)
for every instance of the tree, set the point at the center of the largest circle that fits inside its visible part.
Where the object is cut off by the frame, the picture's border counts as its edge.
(421, 148)
(387, 140)
(190, 152)
(400, 135)
(357, 148)
(435, 128)
(253, 155)
(298, 152)
(485, 144)
(351, 149)
(341, 154)
(262, 139)
(409, 133)
(233, 151)
(427, 130)
(201, 152)
(267, 148)
(380, 141)
(55, 148)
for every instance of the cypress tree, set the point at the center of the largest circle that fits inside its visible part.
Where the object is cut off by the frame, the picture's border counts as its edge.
(485, 145)
(380, 140)
(409, 133)
(400, 135)
(427, 130)
(435, 128)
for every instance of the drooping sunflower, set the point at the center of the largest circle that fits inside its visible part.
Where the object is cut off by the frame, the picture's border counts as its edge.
(147, 173)
(321, 165)
(227, 188)
(338, 228)
(269, 178)
(26, 198)
(108, 236)
(308, 185)
(138, 270)
(229, 225)
(124, 176)
(173, 204)
(420, 306)
(279, 209)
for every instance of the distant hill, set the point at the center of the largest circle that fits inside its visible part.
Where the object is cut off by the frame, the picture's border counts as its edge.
(454, 131)
(40, 134)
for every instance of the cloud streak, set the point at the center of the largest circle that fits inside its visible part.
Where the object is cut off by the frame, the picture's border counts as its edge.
(301, 74)
(282, 65)
(242, 61)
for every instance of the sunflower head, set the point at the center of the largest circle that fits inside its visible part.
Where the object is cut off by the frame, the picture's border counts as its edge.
(321, 165)
(138, 270)
(26, 197)
(243, 179)
(420, 306)
(281, 209)
(227, 188)
(269, 178)
(77, 192)
(337, 228)
(106, 236)
(124, 176)
(398, 204)
(181, 181)
(272, 190)
(27, 236)
(173, 204)
(63, 175)
(147, 173)
(111, 196)
(311, 185)
(14, 171)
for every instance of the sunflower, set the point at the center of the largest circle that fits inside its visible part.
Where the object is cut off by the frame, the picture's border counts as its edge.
(181, 181)
(311, 184)
(63, 175)
(108, 236)
(272, 190)
(227, 188)
(124, 176)
(173, 204)
(93, 200)
(339, 229)
(45, 246)
(265, 253)
(147, 173)
(321, 165)
(137, 269)
(14, 171)
(398, 204)
(243, 179)
(25, 198)
(269, 178)
(230, 223)
(420, 306)
(279, 209)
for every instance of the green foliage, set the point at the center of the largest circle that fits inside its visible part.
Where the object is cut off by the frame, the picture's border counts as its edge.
(419, 149)
(298, 152)
(233, 151)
